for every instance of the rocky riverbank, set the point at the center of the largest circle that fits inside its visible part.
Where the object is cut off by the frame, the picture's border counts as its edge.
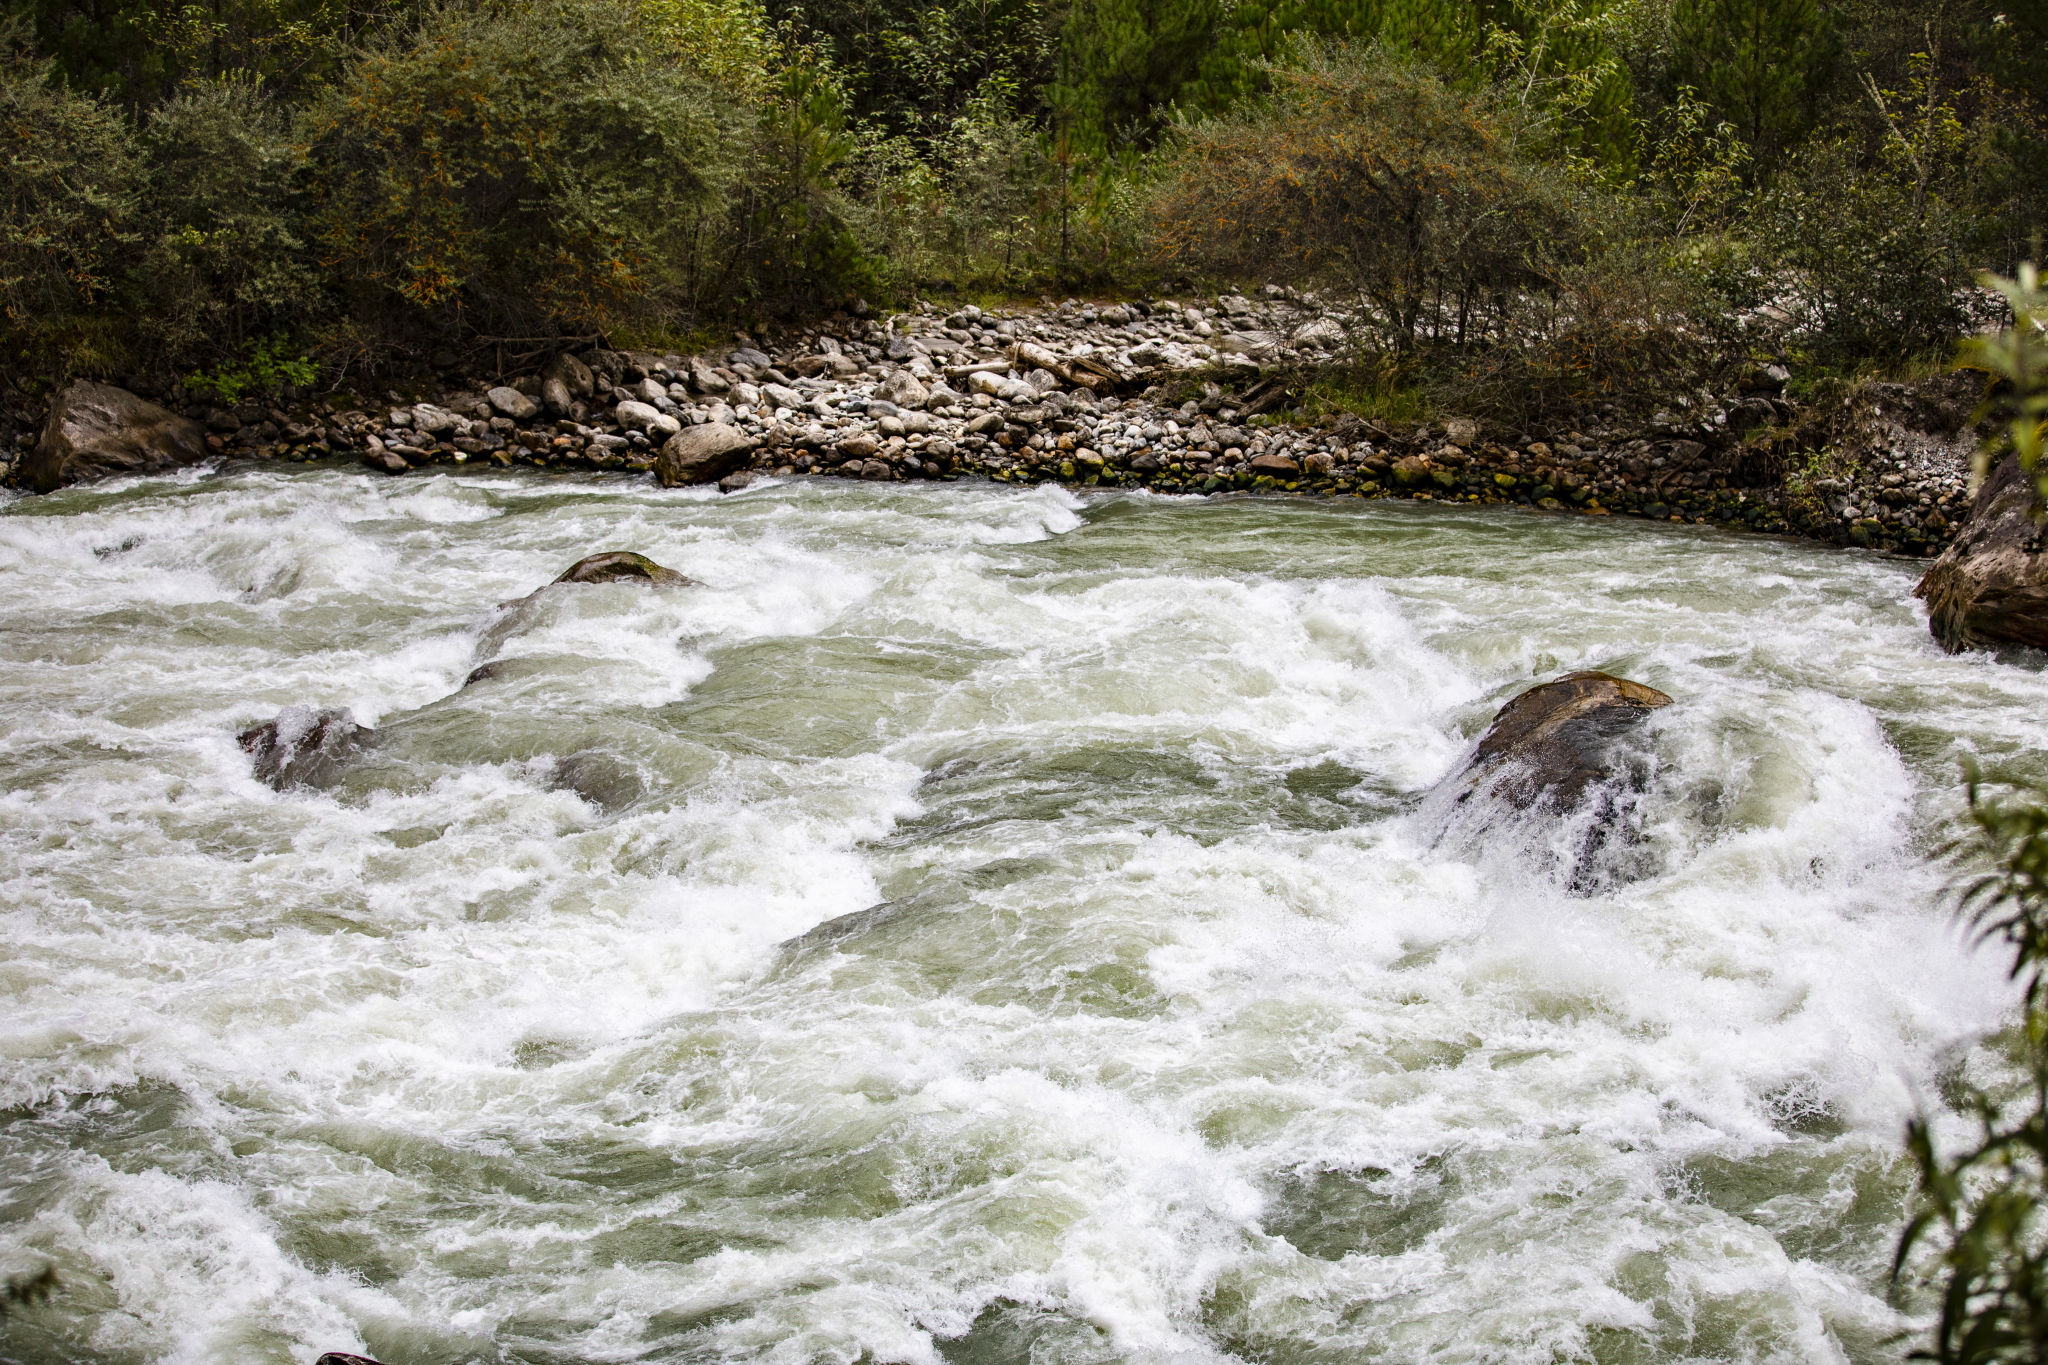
(1176, 396)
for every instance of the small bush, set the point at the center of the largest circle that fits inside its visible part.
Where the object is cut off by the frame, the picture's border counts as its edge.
(1368, 172)
(268, 365)
(1869, 268)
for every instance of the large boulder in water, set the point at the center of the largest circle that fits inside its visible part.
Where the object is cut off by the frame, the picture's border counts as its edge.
(96, 430)
(623, 566)
(1991, 585)
(303, 747)
(1554, 742)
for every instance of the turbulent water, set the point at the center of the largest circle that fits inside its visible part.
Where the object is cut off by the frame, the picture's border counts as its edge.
(977, 924)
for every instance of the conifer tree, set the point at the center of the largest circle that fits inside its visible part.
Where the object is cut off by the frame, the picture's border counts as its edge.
(1757, 62)
(1127, 62)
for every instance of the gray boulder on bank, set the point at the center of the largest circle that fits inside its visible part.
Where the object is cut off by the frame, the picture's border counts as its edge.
(1551, 743)
(702, 454)
(95, 431)
(303, 747)
(1991, 585)
(512, 403)
(572, 374)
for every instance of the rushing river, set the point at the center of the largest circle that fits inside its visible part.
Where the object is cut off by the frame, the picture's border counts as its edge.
(979, 925)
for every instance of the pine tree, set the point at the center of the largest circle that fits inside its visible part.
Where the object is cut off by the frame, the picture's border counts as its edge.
(1127, 63)
(1757, 62)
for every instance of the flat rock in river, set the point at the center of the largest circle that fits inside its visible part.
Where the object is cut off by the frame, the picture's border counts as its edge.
(1991, 585)
(96, 430)
(623, 566)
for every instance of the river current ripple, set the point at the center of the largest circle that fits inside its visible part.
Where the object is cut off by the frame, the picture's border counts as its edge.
(981, 925)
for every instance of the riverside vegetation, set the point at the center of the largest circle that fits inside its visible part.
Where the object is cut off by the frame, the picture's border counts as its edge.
(1661, 247)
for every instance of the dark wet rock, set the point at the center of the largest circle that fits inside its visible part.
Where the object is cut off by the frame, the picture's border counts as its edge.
(1553, 742)
(304, 747)
(94, 431)
(702, 454)
(485, 672)
(343, 1358)
(623, 566)
(1991, 585)
(385, 461)
(604, 780)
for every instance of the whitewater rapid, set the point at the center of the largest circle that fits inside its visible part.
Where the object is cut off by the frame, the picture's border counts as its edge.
(978, 924)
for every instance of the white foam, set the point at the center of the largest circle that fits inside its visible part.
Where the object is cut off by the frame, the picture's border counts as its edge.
(542, 1060)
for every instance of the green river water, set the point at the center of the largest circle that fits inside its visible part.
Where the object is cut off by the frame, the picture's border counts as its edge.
(977, 925)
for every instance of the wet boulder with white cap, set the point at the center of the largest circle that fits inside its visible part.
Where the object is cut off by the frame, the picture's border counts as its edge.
(303, 747)
(1554, 743)
(1557, 776)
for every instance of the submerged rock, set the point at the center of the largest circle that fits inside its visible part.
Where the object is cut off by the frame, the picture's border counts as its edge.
(1552, 743)
(623, 566)
(487, 671)
(1991, 584)
(95, 431)
(604, 780)
(303, 747)
(344, 1358)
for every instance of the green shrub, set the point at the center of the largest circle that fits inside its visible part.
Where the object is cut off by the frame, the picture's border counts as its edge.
(522, 171)
(69, 177)
(267, 366)
(1987, 1207)
(225, 257)
(1870, 268)
(1365, 171)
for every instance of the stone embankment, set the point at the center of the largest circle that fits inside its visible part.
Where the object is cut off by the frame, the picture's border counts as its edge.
(1178, 397)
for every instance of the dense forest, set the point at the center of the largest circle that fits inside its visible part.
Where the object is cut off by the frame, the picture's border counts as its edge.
(1516, 192)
